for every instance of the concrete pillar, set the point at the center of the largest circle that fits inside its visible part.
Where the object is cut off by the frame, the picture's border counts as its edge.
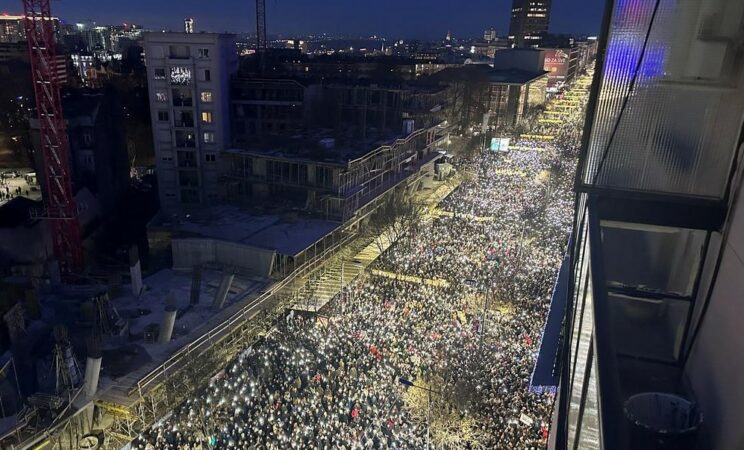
(92, 372)
(166, 328)
(135, 270)
(221, 295)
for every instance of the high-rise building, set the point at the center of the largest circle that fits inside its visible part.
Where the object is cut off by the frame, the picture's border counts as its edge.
(529, 21)
(11, 28)
(188, 79)
(654, 273)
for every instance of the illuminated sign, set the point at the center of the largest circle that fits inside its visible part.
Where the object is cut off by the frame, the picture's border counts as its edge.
(556, 63)
(180, 75)
(500, 144)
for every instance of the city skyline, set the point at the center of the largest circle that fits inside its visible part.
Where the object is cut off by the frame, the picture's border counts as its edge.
(334, 16)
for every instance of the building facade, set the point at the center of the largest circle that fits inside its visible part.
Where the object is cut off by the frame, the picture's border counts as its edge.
(189, 87)
(529, 22)
(655, 279)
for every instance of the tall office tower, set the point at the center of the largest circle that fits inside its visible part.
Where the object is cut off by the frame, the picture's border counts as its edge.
(188, 78)
(529, 21)
(188, 25)
(652, 337)
(11, 29)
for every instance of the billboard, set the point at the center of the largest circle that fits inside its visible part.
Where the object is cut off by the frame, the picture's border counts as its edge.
(556, 63)
(500, 144)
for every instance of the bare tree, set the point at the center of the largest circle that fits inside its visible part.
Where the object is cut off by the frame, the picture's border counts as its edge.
(397, 214)
(450, 426)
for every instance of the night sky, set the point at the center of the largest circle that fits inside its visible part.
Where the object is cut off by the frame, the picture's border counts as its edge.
(426, 19)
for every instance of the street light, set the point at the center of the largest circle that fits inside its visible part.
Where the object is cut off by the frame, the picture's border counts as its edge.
(409, 383)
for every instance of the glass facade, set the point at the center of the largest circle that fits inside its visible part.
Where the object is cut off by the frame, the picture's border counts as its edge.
(668, 107)
(662, 136)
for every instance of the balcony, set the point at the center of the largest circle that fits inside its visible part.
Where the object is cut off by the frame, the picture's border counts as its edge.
(634, 295)
(656, 188)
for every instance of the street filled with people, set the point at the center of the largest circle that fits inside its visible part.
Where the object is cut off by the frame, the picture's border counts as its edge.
(345, 378)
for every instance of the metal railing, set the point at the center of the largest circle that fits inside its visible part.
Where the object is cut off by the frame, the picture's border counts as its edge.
(247, 312)
(613, 432)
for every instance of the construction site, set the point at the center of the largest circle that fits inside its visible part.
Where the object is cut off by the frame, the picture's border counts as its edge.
(95, 360)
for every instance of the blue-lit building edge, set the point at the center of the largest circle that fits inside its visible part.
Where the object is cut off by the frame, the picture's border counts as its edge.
(546, 373)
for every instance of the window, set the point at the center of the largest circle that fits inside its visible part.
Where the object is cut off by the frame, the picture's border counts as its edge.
(163, 116)
(208, 138)
(206, 96)
(206, 116)
(179, 51)
(157, 51)
(211, 157)
(180, 76)
(203, 53)
(159, 74)
(207, 75)
(167, 158)
(161, 96)
(182, 97)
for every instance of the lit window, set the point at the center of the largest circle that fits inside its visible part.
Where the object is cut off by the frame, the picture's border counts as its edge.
(206, 116)
(159, 74)
(208, 138)
(161, 96)
(206, 96)
(180, 75)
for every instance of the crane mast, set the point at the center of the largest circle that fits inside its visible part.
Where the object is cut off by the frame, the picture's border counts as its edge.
(59, 201)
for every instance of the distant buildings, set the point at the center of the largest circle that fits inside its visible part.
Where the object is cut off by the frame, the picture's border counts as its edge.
(11, 28)
(529, 22)
(489, 35)
(303, 136)
(98, 150)
(565, 63)
(188, 78)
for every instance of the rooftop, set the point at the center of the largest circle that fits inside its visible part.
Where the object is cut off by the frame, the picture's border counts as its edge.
(288, 235)
(483, 72)
(320, 146)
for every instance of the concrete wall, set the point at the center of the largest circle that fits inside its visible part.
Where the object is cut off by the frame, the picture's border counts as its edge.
(188, 253)
(715, 369)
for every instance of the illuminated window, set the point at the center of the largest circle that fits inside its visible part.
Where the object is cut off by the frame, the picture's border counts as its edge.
(208, 138)
(206, 116)
(161, 96)
(206, 96)
(180, 75)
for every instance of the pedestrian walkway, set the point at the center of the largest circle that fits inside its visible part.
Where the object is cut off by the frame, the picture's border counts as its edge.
(341, 271)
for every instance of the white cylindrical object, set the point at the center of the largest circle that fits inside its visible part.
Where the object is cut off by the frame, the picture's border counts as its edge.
(92, 372)
(166, 328)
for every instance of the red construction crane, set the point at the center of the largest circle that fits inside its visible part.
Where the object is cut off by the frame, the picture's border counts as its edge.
(59, 201)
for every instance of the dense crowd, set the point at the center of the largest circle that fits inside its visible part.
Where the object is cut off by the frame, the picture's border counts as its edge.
(332, 381)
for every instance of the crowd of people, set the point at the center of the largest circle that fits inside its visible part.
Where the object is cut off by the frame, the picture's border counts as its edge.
(332, 380)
